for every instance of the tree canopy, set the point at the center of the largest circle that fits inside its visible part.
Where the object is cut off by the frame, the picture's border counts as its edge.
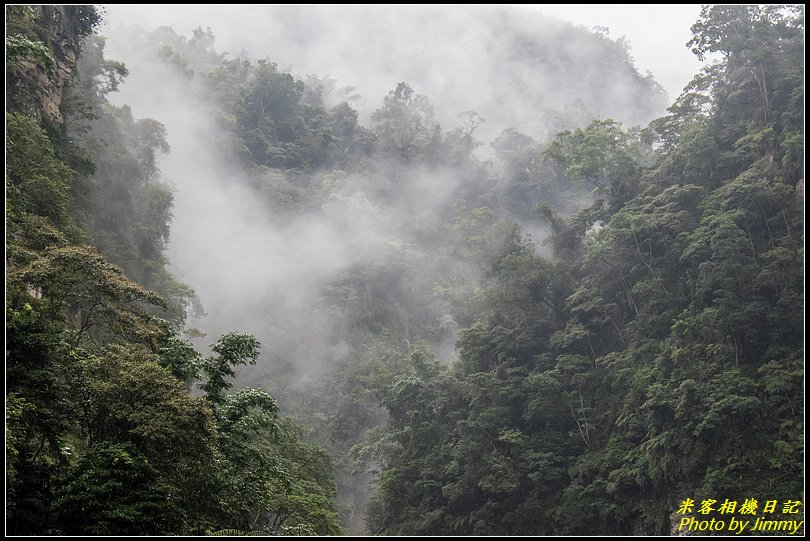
(542, 334)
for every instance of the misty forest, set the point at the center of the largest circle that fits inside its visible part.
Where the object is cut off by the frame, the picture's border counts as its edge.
(498, 284)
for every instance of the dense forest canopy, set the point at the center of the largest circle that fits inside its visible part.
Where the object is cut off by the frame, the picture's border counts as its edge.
(279, 307)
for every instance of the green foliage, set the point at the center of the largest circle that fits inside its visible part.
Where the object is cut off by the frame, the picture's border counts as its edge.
(37, 182)
(274, 481)
(145, 449)
(114, 490)
(95, 297)
(42, 43)
(86, 20)
(602, 155)
(662, 359)
(181, 357)
(232, 350)
(404, 123)
(19, 48)
(121, 201)
(232, 532)
(484, 242)
(275, 126)
(103, 436)
(270, 479)
(658, 356)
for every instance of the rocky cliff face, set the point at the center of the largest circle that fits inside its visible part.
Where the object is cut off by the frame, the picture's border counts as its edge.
(31, 88)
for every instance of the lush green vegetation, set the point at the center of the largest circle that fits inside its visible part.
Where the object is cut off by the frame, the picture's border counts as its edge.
(654, 351)
(103, 435)
(661, 357)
